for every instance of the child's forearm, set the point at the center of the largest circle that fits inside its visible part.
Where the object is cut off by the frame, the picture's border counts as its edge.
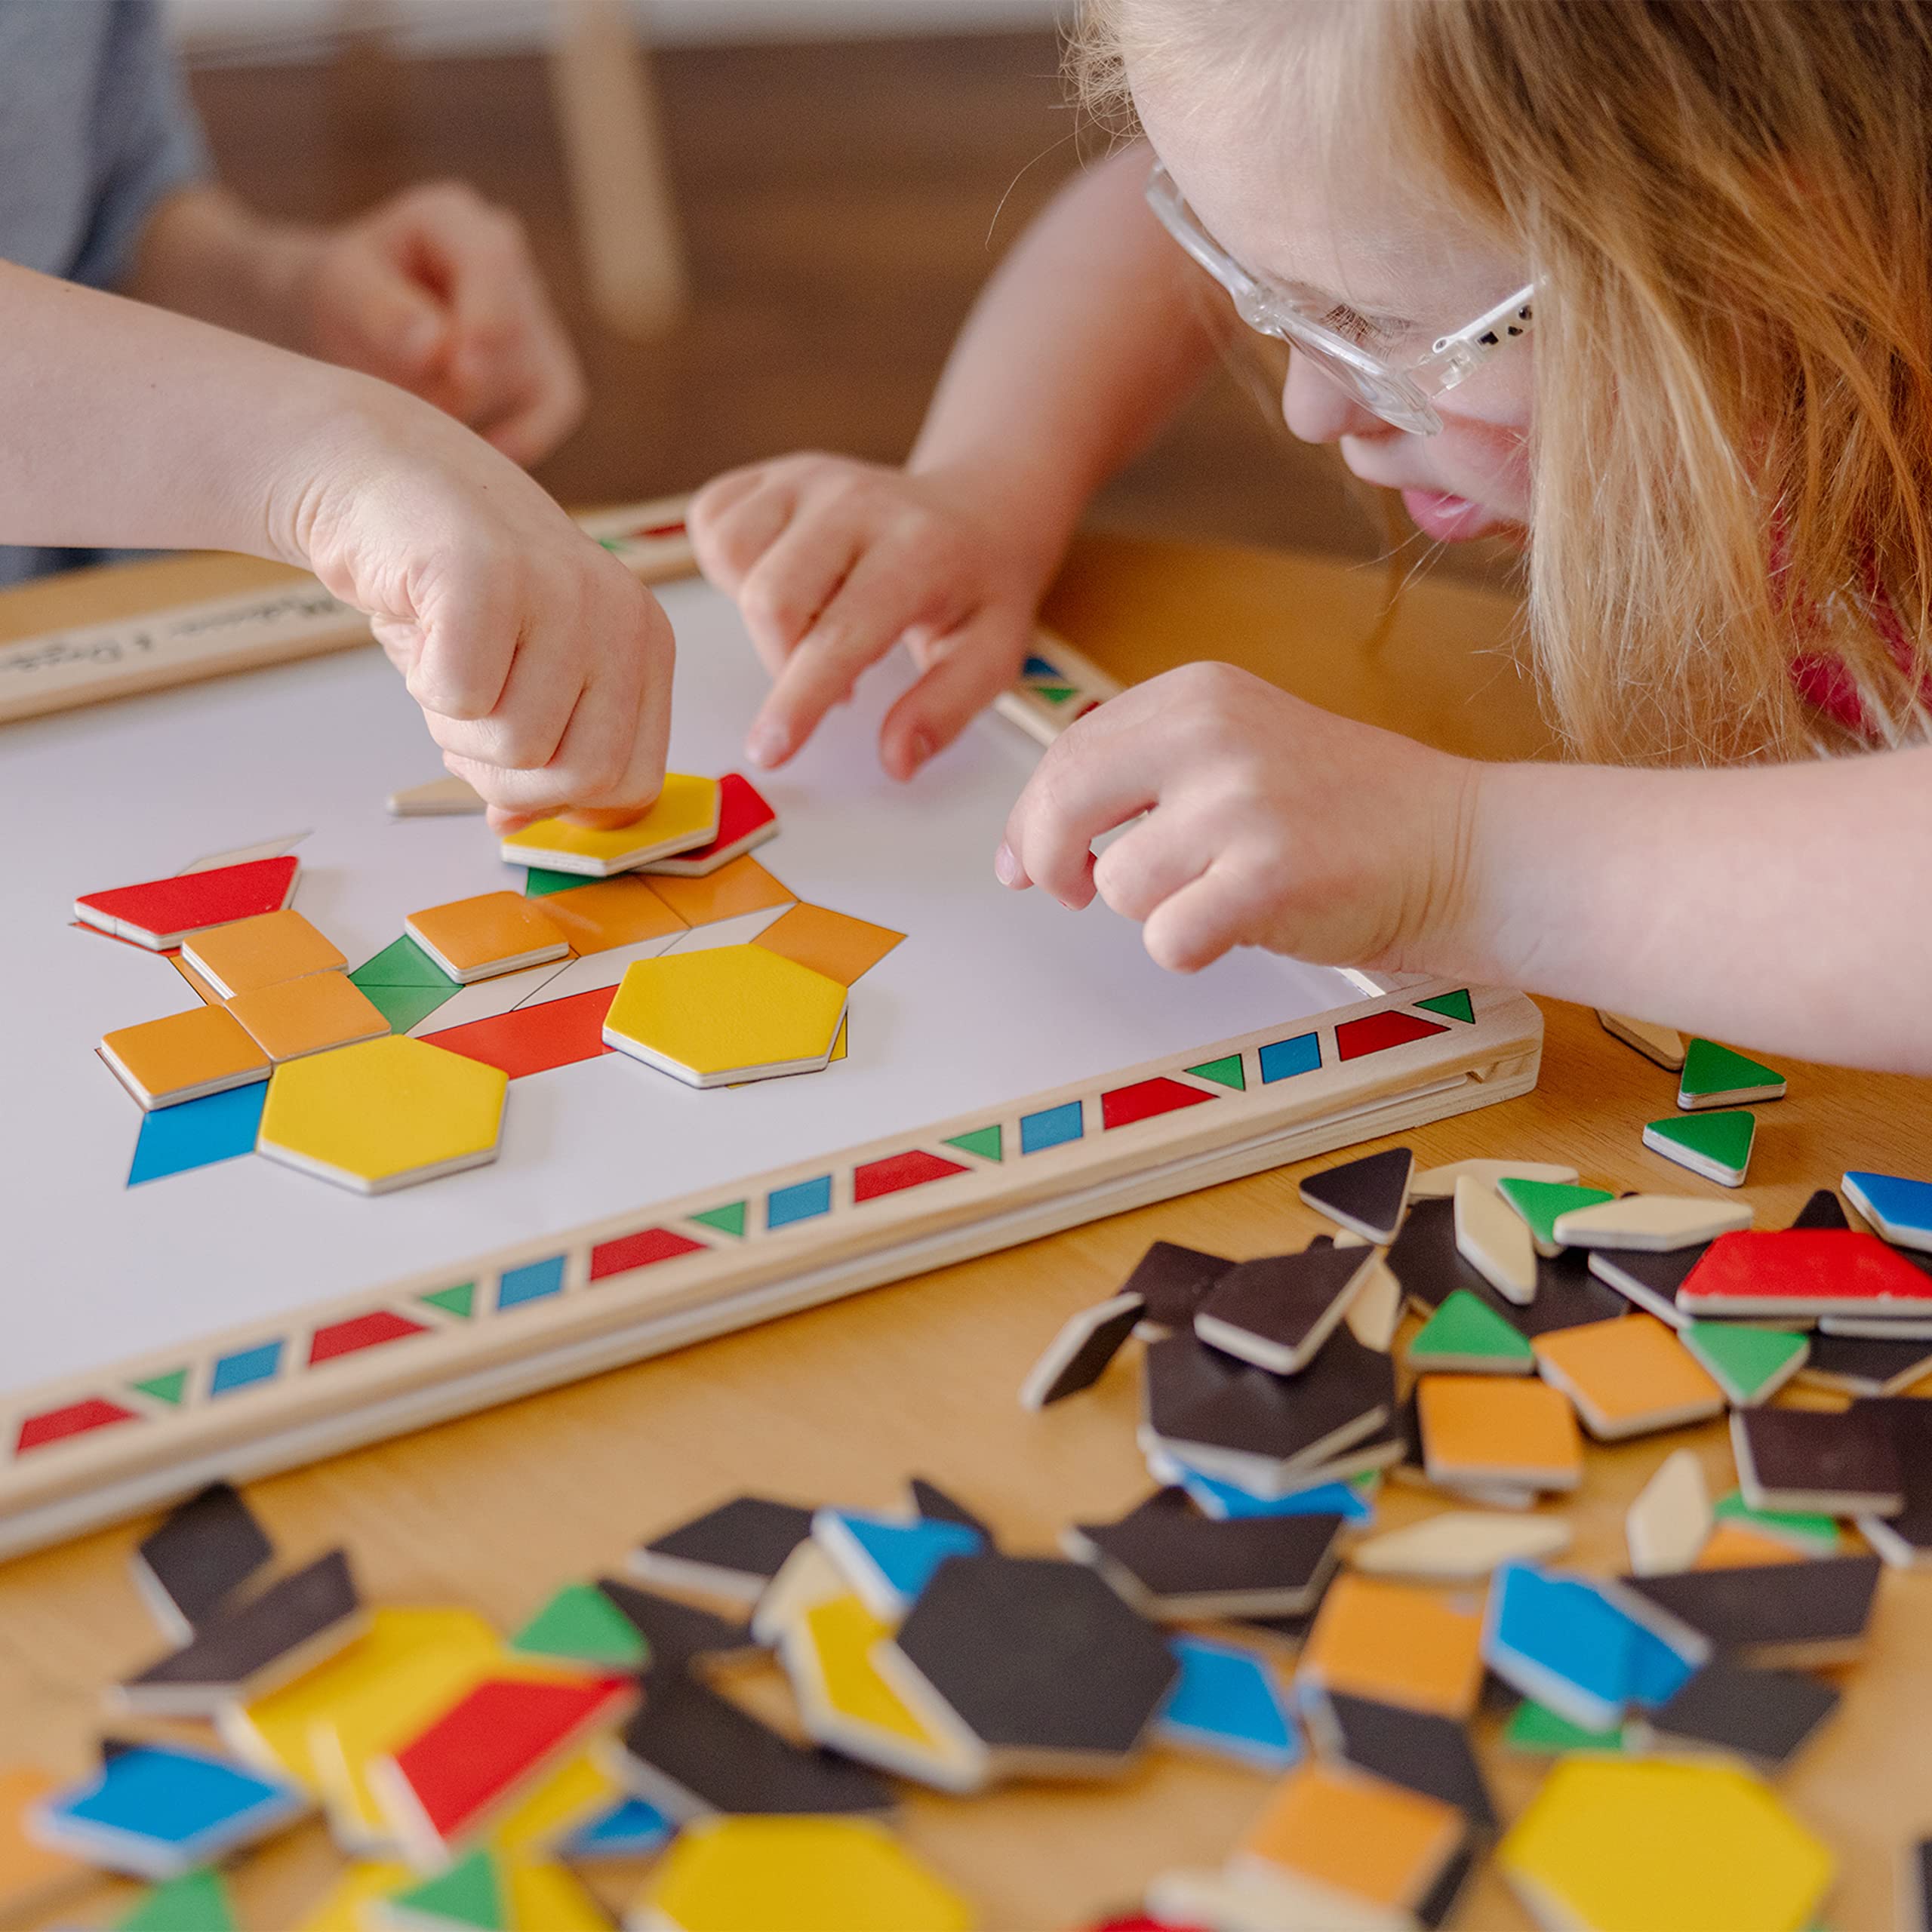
(1780, 907)
(1089, 337)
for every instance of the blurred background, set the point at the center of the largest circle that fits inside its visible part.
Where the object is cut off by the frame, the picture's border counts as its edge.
(825, 183)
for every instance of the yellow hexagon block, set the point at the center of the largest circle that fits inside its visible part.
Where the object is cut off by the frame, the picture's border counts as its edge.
(383, 1114)
(684, 817)
(808, 1875)
(1608, 1845)
(727, 1013)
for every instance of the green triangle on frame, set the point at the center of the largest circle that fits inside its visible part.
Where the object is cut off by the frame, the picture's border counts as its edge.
(1748, 1364)
(460, 1300)
(582, 1623)
(1711, 1071)
(195, 1901)
(1468, 1332)
(469, 1894)
(1225, 1071)
(405, 1007)
(539, 882)
(729, 1220)
(169, 1388)
(984, 1141)
(1457, 1005)
(401, 963)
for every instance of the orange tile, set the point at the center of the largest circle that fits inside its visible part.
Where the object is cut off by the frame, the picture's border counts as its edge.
(840, 947)
(1497, 1429)
(1628, 1375)
(610, 913)
(1401, 1644)
(309, 1016)
(204, 1050)
(743, 886)
(495, 932)
(1357, 1834)
(248, 953)
(203, 991)
(1733, 1547)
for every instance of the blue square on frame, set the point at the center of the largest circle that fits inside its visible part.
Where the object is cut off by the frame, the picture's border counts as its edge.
(244, 1367)
(197, 1133)
(799, 1202)
(1051, 1126)
(1280, 1058)
(532, 1281)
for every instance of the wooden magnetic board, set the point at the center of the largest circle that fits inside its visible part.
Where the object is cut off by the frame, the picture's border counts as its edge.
(1046, 1041)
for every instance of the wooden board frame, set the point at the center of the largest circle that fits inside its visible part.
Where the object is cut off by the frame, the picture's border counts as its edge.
(242, 1403)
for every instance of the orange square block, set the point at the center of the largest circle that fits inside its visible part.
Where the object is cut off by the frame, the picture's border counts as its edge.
(1627, 1376)
(495, 932)
(1397, 1644)
(743, 886)
(1497, 1429)
(185, 1056)
(1355, 1834)
(309, 1016)
(609, 913)
(833, 943)
(248, 953)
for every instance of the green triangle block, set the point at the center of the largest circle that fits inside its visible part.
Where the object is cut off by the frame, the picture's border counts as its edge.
(401, 963)
(469, 1893)
(168, 1388)
(1818, 1533)
(1533, 1728)
(1464, 1331)
(1710, 1069)
(582, 1623)
(1538, 1202)
(1225, 1073)
(405, 1007)
(1748, 1364)
(195, 1901)
(983, 1141)
(539, 882)
(1457, 1005)
(1719, 1140)
(460, 1300)
(726, 1220)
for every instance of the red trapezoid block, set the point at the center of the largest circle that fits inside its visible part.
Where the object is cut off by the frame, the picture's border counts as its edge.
(1378, 1032)
(1146, 1098)
(897, 1172)
(639, 1251)
(533, 1039)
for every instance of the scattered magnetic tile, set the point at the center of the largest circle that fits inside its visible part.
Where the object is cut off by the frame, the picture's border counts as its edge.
(162, 912)
(1749, 1364)
(1416, 1749)
(1251, 1896)
(1844, 1465)
(492, 933)
(887, 1561)
(1717, 1146)
(1227, 1702)
(808, 1875)
(1365, 1196)
(1821, 1211)
(1559, 1641)
(470, 1894)
(1172, 1280)
(1375, 1312)
(1916, 1887)
(684, 818)
(1901, 1210)
(204, 1550)
(156, 1810)
(533, 1038)
(930, 1501)
(835, 944)
(1466, 1335)
(1764, 1717)
(1277, 1312)
(1858, 1365)
(251, 1649)
(677, 1632)
(1730, 1546)
(581, 1624)
(1171, 1564)
(631, 1828)
(34, 1879)
(1439, 1183)
(1670, 1846)
(1808, 1531)
(244, 855)
(1877, 1327)
(1489, 1430)
(1628, 1376)
(1817, 1615)
(1078, 1356)
(738, 890)
(1425, 1261)
(745, 822)
(1652, 1224)
(570, 1795)
(1714, 1076)
(1663, 1044)
(806, 1577)
(1670, 1521)
(732, 1551)
(184, 1056)
(440, 797)
(1535, 1730)
(308, 1015)
(489, 999)
(1396, 1644)
(195, 1901)
(1214, 1497)
(1459, 1546)
(1538, 1203)
(1494, 1241)
(1651, 1280)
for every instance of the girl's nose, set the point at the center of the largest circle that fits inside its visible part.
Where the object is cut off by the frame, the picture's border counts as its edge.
(1319, 410)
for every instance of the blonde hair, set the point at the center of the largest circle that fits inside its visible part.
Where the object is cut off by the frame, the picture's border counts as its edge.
(1727, 204)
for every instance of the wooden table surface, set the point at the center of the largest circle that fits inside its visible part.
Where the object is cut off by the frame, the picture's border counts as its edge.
(843, 1403)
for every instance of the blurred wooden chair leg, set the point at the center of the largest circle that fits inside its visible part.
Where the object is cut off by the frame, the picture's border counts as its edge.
(606, 112)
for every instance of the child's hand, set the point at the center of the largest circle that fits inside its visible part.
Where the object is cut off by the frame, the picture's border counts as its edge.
(1269, 822)
(833, 562)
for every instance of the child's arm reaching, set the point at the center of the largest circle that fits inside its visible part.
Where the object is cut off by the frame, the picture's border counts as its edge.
(542, 666)
(1086, 340)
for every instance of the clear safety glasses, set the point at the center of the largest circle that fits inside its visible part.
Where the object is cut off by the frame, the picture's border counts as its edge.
(1374, 361)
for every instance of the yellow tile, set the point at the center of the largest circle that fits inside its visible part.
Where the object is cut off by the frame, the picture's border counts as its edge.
(383, 1114)
(684, 817)
(309, 1016)
(610, 913)
(204, 1050)
(838, 1044)
(547, 1897)
(731, 1013)
(1399, 1645)
(1735, 1546)
(248, 953)
(572, 1795)
(341, 1908)
(743, 886)
(840, 947)
(1627, 1375)
(495, 932)
(32, 1879)
(1360, 1835)
(1667, 1846)
(1497, 1429)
